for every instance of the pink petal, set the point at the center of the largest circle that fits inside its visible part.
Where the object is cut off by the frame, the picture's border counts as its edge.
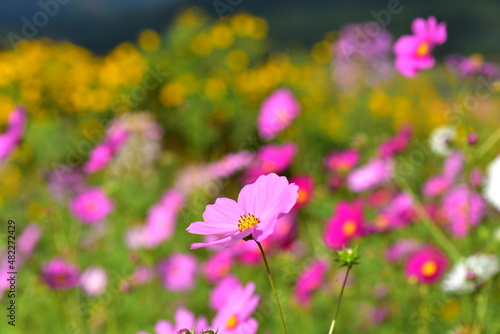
(205, 228)
(164, 327)
(419, 27)
(225, 212)
(406, 45)
(183, 319)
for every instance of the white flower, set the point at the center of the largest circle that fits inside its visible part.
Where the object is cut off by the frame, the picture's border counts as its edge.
(492, 185)
(440, 139)
(93, 281)
(471, 272)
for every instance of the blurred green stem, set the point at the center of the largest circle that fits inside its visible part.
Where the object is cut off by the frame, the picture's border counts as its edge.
(272, 286)
(340, 299)
(440, 237)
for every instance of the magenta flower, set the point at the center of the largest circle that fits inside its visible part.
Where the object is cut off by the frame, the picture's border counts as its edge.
(399, 213)
(104, 152)
(309, 281)
(277, 112)
(271, 159)
(60, 275)
(467, 67)
(346, 224)
(414, 52)
(178, 272)
(94, 281)
(463, 208)
(375, 173)
(183, 319)
(426, 265)
(218, 266)
(255, 213)
(28, 239)
(15, 129)
(306, 187)
(396, 144)
(439, 184)
(91, 206)
(224, 288)
(231, 163)
(342, 161)
(234, 316)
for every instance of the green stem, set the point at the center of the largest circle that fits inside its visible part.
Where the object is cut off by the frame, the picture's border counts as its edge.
(440, 237)
(272, 286)
(340, 299)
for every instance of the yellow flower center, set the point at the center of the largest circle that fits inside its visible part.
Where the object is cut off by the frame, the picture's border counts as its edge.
(232, 322)
(247, 221)
(423, 49)
(381, 221)
(349, 228)
(429, 268)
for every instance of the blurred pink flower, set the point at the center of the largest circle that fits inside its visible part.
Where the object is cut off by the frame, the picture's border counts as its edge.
(397, 214)
(16, 125)
(161, 219)
(178, 272)
(270, 159)
(306, 187)
(396, 144)
(224, 288)
(217, 266)
(94, 281)
(231, 163)
(401, 249)
(142, 275)
(440, 184)
(102, 154)
(65, 182)
(309, 281)
(60, 275)
(183, 319)
(28, 239)
(342, 161)
(234, 316)
(375, 173)
(346, 224)
(91, 206)
(426, 265)
(277, 112)
(463, 208)
(472, 65)
(255, 213)
(414, 52)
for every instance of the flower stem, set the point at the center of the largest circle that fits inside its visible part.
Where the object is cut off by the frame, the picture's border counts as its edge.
(272, 286)
(340, 299)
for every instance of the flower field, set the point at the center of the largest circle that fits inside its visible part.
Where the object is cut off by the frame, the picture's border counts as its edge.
(199, 181)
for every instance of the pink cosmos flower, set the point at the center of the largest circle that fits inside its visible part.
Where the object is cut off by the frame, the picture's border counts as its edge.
(255, 213)
(94, 281)
(284, 232)
(414, 52)
(60, 275)
(342, 161)
(271, 159)
(224, 288)
(142, 275)
(397, 144)
(399, 213)
(401, 249)
(472, 65)
(104, 152)
(218, 266)
(231, 163)
(15, 129)
(426, 265)
(439, 184)
(28, 239)
(277, 112)
(183, 319)
(234, 316)
(306, 186)
(346, 224)
(178, 272)
(377, 172)
(309, 281)
(463, 208)
(91, 206)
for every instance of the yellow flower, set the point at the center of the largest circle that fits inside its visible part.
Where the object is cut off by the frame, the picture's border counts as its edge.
(202, 45)
(222, 36)
(149, 40)
(321, 52)
(172, 94)
(237, 60)
(215, 89)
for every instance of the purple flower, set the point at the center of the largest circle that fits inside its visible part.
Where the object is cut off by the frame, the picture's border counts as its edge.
(60, 275)
(467, 67)
(377, 172)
